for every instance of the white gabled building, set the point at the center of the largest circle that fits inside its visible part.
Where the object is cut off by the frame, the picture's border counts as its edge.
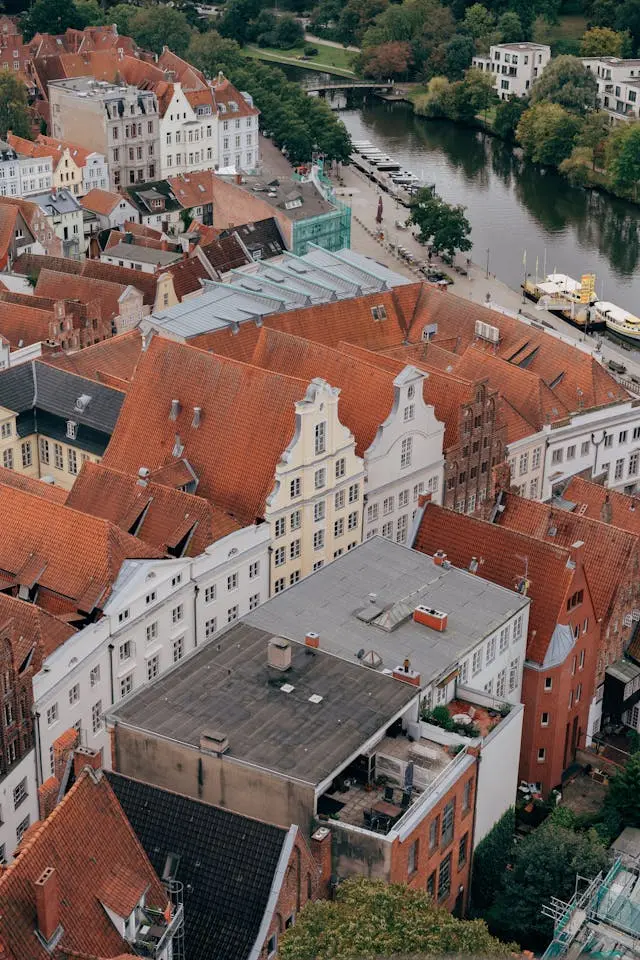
(514, 67)
(159, 611)
(188, 132)
(22, 175)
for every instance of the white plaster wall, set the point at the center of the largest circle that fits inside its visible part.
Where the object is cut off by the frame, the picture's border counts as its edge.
(12, 816)
(498, 772)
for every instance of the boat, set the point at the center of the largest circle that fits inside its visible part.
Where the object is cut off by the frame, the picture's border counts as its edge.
(388, 164)
(616, 319)
(569, 298)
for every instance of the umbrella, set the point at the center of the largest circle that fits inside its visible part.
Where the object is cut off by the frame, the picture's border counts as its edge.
(379, 213)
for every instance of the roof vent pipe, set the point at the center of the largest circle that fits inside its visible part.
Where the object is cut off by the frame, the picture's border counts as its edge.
(175, 409)
(197, 411)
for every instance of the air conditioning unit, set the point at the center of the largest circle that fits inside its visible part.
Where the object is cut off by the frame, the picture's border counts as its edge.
(486, 331)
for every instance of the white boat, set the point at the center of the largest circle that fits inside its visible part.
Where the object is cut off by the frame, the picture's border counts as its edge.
(616, 319)
(388, 164)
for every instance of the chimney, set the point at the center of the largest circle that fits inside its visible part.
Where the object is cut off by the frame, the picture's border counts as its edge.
(86, 757)
(321, 850)
(195, 423)
(279, 654)
(238, 178)
(143, 476)
(439, 557)
(312, 639)
(473, 566)
(606, 510)
(407, 674)
(429, 617)
(47, 904)
(424, 499)
(175, 410)
(214, 741)
(577, 552)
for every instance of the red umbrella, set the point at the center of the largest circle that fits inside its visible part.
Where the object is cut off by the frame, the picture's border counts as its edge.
(379, 213)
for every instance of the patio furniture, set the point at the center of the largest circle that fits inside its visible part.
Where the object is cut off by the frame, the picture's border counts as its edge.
(388, 794)
(386, 809)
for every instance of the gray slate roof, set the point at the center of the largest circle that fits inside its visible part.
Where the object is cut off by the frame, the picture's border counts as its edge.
(131, 251)
(228, 686)
(329, 600)
(52, 202)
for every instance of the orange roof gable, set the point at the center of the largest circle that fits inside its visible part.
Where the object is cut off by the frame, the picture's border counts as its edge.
(109, 361)
(602, 503)
(22, 325)
(103, 202)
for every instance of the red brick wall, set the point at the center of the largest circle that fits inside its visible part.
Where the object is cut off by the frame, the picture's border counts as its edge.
(469, 464)
(566, 703)
(428, 861)
(300, 885)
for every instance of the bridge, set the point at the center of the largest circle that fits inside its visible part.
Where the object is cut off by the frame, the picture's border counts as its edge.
(315, 87)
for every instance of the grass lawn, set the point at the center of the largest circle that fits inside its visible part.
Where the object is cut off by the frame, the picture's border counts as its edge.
(329, 59)
(567, 28)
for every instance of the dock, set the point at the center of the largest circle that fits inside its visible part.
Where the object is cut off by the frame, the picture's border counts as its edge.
(381, 170)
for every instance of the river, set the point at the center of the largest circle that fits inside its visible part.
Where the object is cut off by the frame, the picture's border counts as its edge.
(513, 206)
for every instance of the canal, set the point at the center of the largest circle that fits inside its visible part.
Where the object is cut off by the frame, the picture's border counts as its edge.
(512, 205)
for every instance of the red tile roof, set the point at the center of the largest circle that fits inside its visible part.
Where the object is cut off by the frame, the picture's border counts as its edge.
(22, 325)
(111, 361)
(505, 556)
(601, 503)
(8, 219)
(228, 95)
(186, 275)
(70, 554)
(232, 206)
(366, 391)
(175, 522)
(247, 421)
(31, 264)
(142, 230)
(607, 549)
(26, 627)
(61, 286)
(225, 253)
(94, 851)
(30, 485)
(101, 201)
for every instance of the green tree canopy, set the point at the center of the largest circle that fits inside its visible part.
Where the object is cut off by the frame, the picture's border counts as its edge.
(155, 27)
(90, 12)
(51, 16)
(547, 133)
(604, 42)
(14, 112)
(458, 53)
(235, 23)
(490, 860)
(543, 865)
(444, 225)
(593, 135)
(425, 24)
(624, 790)
(567, 82)
(507, 117)
(480, 24)
(510, 27)
(288, 32)
(369, 918)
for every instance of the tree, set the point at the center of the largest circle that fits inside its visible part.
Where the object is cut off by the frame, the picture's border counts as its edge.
(624, 790)
(490, 860)
(567, 82)
(604, 42)
(122, 14)
(90, 12)
(288, 33)
(51, 16)
(507, 117)
(14, 112)
(510, 27)
(578, 167)
(628, 18)
(156, 27)
(235, 23)
(544, 865)
(479, 23)
(356, 16)
(441, 223)
(547, 133)
(437, 101)
(387, 60)
(370, 918)
(210, 52)
(479, 90)
(458, 53)
(425, 24)
(593, 134)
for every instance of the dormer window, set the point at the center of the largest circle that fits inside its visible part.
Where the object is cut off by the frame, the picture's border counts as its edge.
(379, 312)
(72, 429)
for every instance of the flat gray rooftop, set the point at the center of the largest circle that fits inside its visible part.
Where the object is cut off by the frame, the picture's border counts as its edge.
(228, 686)
(328, 601)
(131, 251)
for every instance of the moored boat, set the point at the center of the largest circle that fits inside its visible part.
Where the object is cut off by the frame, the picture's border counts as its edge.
(616, 319)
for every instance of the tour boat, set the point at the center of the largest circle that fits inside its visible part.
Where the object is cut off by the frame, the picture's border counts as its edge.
(617, 320)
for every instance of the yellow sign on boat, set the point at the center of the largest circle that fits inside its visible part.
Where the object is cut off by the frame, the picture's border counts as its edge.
(587, 287)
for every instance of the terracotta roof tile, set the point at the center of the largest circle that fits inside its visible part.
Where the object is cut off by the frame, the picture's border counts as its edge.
(121, 890)
(22, 325)
(232, 205)
(141, 230)
(26, 627)
(111, 361)
(8, 218)
(175, 522)
(30, 264)
(146, 283)
(504, 556)
(227, 94)
(187, 275)
(101, 201)
(600, 503)
(61, 286)
(71, 554)
(88, 841)
(247, 421)
(30, 485)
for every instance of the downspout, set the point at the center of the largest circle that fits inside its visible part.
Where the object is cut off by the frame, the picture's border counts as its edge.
(36, 730)
(196, 591)
(113, 699)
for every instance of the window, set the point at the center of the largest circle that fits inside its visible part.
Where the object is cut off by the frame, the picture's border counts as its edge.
(295, 520)
(434, 833)
(339, 499)
(341, 467)
(557, 456)
(533, 489)
(524, 463)
(210, 593)
(575, 599)
(74, 694)
(232, 582)
(354, 492)
(272, 942)
(584, 448)
(152, 631)
(153, 667)
(20, 794)
(387, 530)
(409, 412)
(491, 650)
(7, 459)
(295, 487)
(26, 454)
(462, 851)
(177, 613)
(622, 436)
(501, 683)
(320, 478)
(279, 556)
(504, 639)
(52, 714)
(44, 450)
(535, 459)
(464, 671)
(318, 511)
(548, 684)
(210, 627)
(412, 859)
(94, 676)
(8, 714)
(431, 885)
(541, 754)
(403, 498)
(279, 585)
(372, 512)
(447, 823)
(294, 549)
(280, 527)
(619, 470)
(578, 692)
(388, 505)
(178, 649)
(353, 521)
(514, 669)
(581, 665)
(123, 615)
(466, 796)
(321, 437)
(338, 527)
(176, 580)
(401, 529)
(633, 465)
(6, 430)
(444, 878)
(126, 685)
(608, 440)
(72, 462)
(254, 601)
(406, 452)
(318, 540)
(233, 613)
(150, 597)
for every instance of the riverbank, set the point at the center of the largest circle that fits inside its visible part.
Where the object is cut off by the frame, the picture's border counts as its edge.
(330, 59)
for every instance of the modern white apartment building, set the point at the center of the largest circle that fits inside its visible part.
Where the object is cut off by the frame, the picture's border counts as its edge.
(515, 67)
(22, 175)
(618, 86)
(159, 611)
